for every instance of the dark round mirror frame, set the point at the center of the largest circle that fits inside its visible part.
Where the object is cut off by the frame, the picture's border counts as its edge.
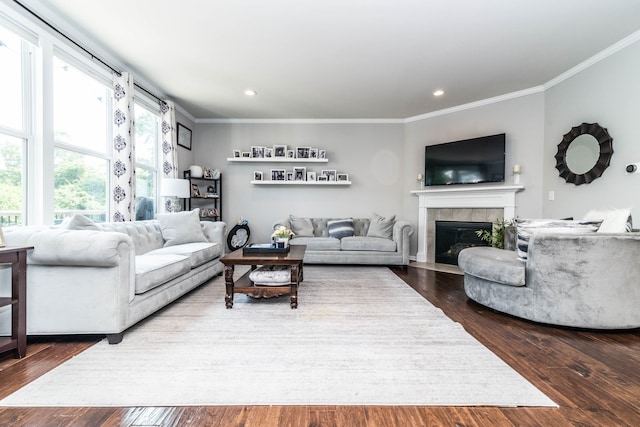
(606, 151)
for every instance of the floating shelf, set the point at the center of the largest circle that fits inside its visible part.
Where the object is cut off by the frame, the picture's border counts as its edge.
(274, 160)
(269, 182)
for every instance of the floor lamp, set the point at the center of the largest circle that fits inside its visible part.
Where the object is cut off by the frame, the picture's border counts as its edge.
(174, 189)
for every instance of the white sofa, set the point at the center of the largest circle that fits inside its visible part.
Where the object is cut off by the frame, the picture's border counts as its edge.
(376, 240)
(102, 279)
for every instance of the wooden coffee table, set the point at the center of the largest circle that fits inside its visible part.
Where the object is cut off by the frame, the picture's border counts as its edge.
(293, 258)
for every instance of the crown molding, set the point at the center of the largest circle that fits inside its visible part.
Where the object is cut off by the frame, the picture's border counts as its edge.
(303, 121)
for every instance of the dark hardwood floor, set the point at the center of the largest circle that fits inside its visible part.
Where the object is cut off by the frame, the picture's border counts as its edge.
(593, 376)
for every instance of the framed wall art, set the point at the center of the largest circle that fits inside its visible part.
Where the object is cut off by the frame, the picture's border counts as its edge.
(184, 136)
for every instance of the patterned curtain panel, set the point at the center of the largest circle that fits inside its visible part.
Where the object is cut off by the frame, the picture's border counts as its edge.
(123, 181)
(169, 146)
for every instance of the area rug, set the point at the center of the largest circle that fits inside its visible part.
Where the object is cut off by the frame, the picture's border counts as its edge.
(360, 336)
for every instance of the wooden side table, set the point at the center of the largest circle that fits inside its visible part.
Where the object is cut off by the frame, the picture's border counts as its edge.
(17, 257)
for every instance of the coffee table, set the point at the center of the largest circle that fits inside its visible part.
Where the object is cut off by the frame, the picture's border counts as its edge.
(293, 259)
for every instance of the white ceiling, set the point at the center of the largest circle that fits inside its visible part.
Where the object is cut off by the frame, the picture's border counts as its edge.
(344, 59)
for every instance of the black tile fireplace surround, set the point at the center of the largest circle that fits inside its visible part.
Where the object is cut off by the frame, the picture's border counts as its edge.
(454, 236)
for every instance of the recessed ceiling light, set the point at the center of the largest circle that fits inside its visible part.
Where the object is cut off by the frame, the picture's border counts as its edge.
(438, 92)
(250, 92)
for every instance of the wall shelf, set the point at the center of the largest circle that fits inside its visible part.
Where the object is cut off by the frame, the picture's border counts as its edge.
(320, 183)
(274, 160)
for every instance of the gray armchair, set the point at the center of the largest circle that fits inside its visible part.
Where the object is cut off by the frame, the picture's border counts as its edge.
(589, 280)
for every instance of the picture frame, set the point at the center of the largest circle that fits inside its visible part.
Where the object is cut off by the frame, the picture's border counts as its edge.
(279, 151)
(330, 174)
(207, 173)
(290, 175)
(268, 152)
(299, 173)
(278, 174)
(322, 178)
(257, 175)
(3, 242)
(195, 191)
(311, 176)
(313, 153)
(246, 155)
(211, 191)
(257, 152)
(236, 154)
(342, 177)
(291, 154)
(302, 152)
(186, 174)
(322, 154)
(184, 136)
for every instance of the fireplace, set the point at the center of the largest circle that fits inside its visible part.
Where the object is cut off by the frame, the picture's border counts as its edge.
(454, 236)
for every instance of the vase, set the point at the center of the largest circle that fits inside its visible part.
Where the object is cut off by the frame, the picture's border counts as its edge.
(282, 243)
(196, 171)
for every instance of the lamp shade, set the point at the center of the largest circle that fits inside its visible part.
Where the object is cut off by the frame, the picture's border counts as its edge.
(174, 187)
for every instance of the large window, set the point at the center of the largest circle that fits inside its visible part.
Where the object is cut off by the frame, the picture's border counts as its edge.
(147, 140)
(13, 137)
(81, 112)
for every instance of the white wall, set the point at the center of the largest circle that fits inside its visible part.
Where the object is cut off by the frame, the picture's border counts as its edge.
(185, 156)
(607, 93)
(372, 155)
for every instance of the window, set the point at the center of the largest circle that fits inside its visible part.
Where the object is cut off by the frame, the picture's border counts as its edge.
(82, 108)
(147, 141)
(13, 137)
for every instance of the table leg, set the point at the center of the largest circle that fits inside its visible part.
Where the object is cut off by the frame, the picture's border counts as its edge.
(295, 281)
(228, 281)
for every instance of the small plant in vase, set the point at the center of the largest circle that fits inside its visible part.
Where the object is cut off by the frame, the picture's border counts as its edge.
(495, 237)
(281, 236)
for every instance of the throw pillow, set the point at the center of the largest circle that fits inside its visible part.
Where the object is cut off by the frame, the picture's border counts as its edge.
(181, 227)
(526, 227)
(302, 227)
(79, 222)
(613, 220)
(380, 226)
(339, 228)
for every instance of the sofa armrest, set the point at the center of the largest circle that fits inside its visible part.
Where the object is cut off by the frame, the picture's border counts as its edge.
(401, 232)
(87, 248)
(215, 232)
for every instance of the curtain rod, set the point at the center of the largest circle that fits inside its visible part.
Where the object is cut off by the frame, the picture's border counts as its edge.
(85, 50)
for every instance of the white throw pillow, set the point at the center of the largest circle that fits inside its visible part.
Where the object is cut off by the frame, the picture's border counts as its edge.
(181, 227)
(526, 227)
(302, 227)
(613, 220)
(79, 222)
(380, 226)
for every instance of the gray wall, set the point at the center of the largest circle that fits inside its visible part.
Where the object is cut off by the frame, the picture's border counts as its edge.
(372, 155)
(607, 93)
(185, 156)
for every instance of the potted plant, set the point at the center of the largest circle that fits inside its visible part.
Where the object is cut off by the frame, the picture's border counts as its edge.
(281, 236)
(496, 237)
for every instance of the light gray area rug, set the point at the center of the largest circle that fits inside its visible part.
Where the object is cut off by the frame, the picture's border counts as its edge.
(360, 336)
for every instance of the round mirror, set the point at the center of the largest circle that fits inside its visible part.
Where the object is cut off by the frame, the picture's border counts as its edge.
(584, 153)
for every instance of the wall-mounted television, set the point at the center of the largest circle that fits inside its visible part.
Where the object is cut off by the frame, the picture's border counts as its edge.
(469, 161)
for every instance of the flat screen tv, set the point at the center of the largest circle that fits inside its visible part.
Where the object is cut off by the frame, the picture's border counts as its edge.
(470, 161)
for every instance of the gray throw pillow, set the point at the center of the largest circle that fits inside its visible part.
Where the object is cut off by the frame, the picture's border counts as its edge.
(526, 227)
(79, 222)
(181, 227)
(339, 228)
(302, 227)
(380, 226)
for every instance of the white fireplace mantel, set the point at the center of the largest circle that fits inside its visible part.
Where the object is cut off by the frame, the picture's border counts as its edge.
(473, 196)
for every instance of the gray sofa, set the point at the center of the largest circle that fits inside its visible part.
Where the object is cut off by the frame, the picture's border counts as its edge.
(390, 248)
(589, 280)
(104, 279)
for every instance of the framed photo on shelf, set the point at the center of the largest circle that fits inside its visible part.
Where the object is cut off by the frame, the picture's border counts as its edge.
(278, 174)
(257, 152)
(236, 154)
(322, 178)
(313, 153)
(299, 173)
(280, 151)
(246, 155)
(268, 153)
(302, 152)
(311, 176)
(291, 154)
(195, 191)
(207, 173)
(289, 175)
(184, 136)
(257, 175)
(322, 154)
(330, 174)
(342, 177)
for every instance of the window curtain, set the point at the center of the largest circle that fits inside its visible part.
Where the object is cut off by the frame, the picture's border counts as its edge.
(169, 146)
(123, 180)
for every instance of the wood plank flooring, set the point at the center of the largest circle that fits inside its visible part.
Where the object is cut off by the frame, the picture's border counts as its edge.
(594, 377)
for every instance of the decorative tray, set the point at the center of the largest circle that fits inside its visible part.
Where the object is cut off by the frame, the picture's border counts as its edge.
(264, 248)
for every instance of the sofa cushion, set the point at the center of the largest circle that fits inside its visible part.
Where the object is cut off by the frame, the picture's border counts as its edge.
(198, 253)
(181, 227)
(79, 222)
(362, 243)
(302, 227)
(339, 228)
(613, 220)
(526, 227)
(317, 243)
(380, 226)
(153, 271)
(271, 275)
(493, 264)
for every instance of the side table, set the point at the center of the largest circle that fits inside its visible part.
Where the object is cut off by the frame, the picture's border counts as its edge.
(17, 257)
